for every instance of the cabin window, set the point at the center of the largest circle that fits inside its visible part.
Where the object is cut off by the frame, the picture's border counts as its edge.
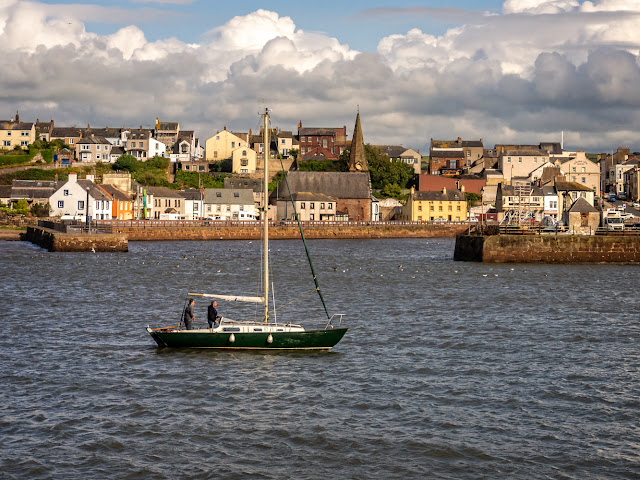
(257, 329)
(280, 330)
(231, 329)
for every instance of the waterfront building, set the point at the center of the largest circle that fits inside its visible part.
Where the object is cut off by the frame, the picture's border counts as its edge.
(229, 204)
(166, 204)
(244, 160)
(578, 168)
(193, 204)
(447, 204)
(167, 133)
(310, 207)
(77, 198)
(33, 191)
(122, 204)
(520, 162)
(69, 135)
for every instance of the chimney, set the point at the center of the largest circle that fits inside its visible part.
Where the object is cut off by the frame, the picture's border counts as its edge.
(17, 117)
(459, 139)
(73, 177)
(88, 126)
(56, 178)
(462, 189)
(413, 190)
(91, 178)
(444, 190)
(225, 127)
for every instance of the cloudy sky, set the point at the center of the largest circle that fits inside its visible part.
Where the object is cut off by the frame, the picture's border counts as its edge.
(505, 71)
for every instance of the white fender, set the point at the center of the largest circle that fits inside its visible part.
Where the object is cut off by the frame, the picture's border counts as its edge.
(269, 339)
(232, 338)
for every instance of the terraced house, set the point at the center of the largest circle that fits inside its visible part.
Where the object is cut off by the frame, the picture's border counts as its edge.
(93, 149)
(447, 205)
(14, 133)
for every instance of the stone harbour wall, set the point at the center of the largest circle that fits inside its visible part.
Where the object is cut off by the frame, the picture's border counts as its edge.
(548, 249)
(68, 242)
(289, 232)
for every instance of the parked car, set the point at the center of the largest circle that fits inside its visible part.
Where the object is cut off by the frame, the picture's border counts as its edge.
(612, 198)
(636, 204)
(622, 196)
(622, 207)
(627, 215)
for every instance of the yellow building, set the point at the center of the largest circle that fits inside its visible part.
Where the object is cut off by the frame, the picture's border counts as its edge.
(580, 169)
(244, 160)
(447, 205)
(222, 145)
(14, 133)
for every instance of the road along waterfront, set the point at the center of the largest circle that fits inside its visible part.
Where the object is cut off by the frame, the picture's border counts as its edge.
(449, 370)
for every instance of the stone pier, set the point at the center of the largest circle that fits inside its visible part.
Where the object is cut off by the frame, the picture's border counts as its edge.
(55, 241)
(548, 249)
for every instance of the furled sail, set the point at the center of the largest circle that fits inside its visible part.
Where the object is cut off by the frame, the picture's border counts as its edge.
(230, 298)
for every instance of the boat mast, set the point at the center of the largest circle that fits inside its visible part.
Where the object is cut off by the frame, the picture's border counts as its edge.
(265, 213)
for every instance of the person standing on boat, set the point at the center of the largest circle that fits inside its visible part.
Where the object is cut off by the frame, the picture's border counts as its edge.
(188, 315)
(212, 315)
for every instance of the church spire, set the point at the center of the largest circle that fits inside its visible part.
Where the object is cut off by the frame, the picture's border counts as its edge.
(357, 155)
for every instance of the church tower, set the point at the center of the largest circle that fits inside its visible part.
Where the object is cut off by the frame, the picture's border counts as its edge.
(357, 155)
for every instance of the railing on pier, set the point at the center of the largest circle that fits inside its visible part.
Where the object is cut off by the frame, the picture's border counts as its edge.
(151, 223)
(536, 229)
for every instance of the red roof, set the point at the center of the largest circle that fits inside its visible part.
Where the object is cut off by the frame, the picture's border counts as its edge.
(427, 183)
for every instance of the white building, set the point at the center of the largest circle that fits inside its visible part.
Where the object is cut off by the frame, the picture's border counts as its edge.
(193, 204)
(229, 204)
(156, 148)
(70, 200)
(550, 203)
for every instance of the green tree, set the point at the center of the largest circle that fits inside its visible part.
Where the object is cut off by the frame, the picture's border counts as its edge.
(473, 199)
(158, 162)
(294, 152)
(127, 163)
(22, 204)
(385, 172)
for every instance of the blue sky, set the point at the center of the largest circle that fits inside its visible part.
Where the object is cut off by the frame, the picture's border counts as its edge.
(352, 22)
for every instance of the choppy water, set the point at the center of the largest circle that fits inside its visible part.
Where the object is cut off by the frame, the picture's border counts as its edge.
(449, 370)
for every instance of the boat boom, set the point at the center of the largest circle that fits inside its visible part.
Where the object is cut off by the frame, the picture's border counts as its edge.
(230, 298)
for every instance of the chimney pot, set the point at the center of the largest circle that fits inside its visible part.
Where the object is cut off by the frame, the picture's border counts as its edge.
(444, 190)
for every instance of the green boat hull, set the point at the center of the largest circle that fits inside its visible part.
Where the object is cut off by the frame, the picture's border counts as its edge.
(308, 340)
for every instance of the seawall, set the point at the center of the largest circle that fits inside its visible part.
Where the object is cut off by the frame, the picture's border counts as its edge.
(55, 241)
(169, 233)
(547, 249)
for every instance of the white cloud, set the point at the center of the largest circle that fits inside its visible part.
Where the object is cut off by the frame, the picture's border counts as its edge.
(524, 75)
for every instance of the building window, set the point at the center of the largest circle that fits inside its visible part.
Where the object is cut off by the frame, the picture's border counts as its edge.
(440, 208)
(215, 154)
(584, 170)
(330, 206)
(573, 169)
(312, 205)
(419, 208)
(519, 159)
(242, 208)
(322, 206)
(97, 147)
(508, 159)
(71, 141)
(218, 194)
(312, 217)
(85, 147)
(6, 143)
(431, 208)
(244, 162)
(60, 204)
(458, 207)
(65, 193)
(80, 204)
(236, 194)
(233, 144)
(301, 205)
(24, 143)
(228, 208)
(244, 153)
(584, 180)
(195, 207)
(468, 153)
(218, 208)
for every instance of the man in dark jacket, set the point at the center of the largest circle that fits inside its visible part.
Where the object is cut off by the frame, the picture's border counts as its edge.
(212, 315)
(188, 315)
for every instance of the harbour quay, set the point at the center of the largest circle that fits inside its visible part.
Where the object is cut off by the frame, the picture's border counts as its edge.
(59, 238)
(563, 249)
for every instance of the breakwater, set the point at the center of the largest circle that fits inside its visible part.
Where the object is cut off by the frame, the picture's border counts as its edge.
(56, 241)
(547, 249)
(254, 232)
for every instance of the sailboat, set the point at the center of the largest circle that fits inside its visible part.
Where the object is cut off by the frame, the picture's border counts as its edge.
(256, 334)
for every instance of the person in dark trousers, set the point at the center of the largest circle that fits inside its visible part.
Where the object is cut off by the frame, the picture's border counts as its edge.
(212, 315)
(188, 315)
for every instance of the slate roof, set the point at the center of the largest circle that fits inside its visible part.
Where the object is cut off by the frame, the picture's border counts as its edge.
(582, 206)
(572, 187)
(472, 143)
(317, 132)
(257, 185)
(93, 140)
(31, 189)
(452, 195)
(62, 132)
(117, 151)
(549, 191)
(191, 194)
(447, 154)
(335, 184)
(394, 151)
(103, 132)
(115, 193)
(227, 196)
(140, 134)
(445, 144)
(553, 148)
(511, 191)
(163, 192)
(9, 125)
(95, 191)
(167, 126)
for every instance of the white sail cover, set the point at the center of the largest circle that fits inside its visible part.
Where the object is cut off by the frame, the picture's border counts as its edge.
(230, 298)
